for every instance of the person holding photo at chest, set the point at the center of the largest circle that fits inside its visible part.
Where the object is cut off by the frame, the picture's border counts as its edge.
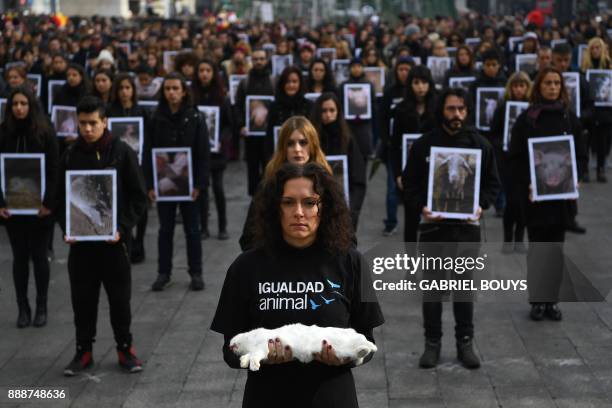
(177, 123)
(92, 264)
(451, 115)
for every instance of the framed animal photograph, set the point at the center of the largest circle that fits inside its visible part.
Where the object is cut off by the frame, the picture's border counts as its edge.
(36, 83)
(168, 60)
(257, 109)
(339, 165)
(376, 76)
(600, 86)
(461, 82)
(357, 101)
(212, 115)
(407, 140)
(64, 119)
(526, 63)
(326, 54)
(572, 84)
(280, 62)
(439, 66)
(91, 205)
(515, 43)
(172, 173)
(276, 134)
(513, 110)
(53, 86)
(234, 81)
(454, 182)
(130, 130)
(148, 106)
(553, 43)
(472, 42)
(340, 68)
(487, 100)
(23, 182)
(553, 169)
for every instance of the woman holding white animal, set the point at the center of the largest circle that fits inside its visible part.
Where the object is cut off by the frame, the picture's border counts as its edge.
(302, 270)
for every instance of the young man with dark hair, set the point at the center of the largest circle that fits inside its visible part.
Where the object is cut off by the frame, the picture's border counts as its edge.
(492, 73)
(435, 232)
(92, 264)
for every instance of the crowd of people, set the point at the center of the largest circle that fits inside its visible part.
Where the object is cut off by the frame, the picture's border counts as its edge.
(289, 96)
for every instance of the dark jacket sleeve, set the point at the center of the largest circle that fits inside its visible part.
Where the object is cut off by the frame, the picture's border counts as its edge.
(60, 197)
(51, 169)
(518, 155)
(489, 179)
(135, 195)
(147, 148)
(240, 99)
(247, 237)
(201, 154)
(415, 176)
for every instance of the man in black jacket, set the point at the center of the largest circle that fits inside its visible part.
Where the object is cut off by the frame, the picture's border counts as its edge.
(91, 264)
(434, 230)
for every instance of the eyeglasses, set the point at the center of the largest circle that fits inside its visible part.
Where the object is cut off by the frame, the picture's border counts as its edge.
(308, 205)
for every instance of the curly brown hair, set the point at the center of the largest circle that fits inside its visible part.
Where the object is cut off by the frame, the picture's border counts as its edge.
(335, 232)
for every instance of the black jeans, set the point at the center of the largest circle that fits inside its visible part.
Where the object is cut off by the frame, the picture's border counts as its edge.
(219, 193)
(430, 237)
(29, 238)
(141, 230)
(89, 266)
(545, 263)
(256, 161)
(600, 140)
(191, 225)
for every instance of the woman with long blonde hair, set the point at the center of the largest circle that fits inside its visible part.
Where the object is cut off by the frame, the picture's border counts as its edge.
(298, 143)
(597, 55)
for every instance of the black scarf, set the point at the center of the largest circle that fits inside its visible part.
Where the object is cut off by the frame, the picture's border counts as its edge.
(534, 111)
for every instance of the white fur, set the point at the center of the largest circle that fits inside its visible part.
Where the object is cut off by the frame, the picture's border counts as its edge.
(252, 346)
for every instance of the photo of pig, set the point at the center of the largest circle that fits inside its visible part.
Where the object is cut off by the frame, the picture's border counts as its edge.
(454, 182)
(552, 162)
(257, 114)
(487, 100)
(600, 86)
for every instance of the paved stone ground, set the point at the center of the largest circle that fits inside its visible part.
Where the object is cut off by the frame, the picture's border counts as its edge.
(566, 364)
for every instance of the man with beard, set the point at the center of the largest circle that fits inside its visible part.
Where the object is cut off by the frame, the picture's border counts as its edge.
(452, 132)
(259, 82)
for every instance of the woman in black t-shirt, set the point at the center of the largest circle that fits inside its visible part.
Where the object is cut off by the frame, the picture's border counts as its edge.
(303, 234)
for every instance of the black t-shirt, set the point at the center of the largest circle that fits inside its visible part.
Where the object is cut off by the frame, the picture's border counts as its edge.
(308, 286)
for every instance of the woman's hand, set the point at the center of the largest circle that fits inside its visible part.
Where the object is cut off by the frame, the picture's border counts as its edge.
(328, 356)
(277, 354)
(4, 213)
(44, 212)
(428, 215)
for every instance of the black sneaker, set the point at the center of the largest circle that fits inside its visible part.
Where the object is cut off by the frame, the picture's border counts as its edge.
(576, 228)
(223, 236)
(466, 354)
(431, 355)
(82, 361)
(553, 312)
(537, 312)
(196, 283)
(388, 231)
(128, 360)
(161, 282)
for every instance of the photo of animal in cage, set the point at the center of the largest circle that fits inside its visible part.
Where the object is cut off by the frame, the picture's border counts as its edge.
(552, 164)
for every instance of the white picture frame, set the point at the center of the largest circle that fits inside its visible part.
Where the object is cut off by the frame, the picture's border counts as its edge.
(136, 143)
(326, 54)
(484, 108)
(513, 41)
(148, 105)
(254, 105)
(376, 75)
(417, 60)
(451, 51)
(469, 161)
(439, 66)
(513, 110)
(558, 155)
(581, 49)
(276, 132)
(233, 83)
(280, 62)
(175, 177)
(558, 41)
(212, 115)
(341, 175)
(478, 65)
(89, 206)
(463, 82)
(572, 84)
(36, 80)
(340, 68)
(407, 140)
(52, 87)
(526, 63)
(168, 58)
(312, 96)
(600, 86)
(33, 203)
(353, 102)
(65, 121)
(473, 42)
(269, 48)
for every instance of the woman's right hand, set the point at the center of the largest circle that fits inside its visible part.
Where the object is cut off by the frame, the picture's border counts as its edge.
(152, 195)
(277, 354)
(4, 213)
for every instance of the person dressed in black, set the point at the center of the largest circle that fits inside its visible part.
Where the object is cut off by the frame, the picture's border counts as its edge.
(491, 74)
(416, 115)
(177, 123)
(208, 90)
(258, 82)
(463, 65)
(320, 78)
(103, 84)
(91, 264)
(76, 87)
(335, 138)
(289, 101)
(27, 130)
(303, 230)
(548, 115)
(124, 99)
(451, 132)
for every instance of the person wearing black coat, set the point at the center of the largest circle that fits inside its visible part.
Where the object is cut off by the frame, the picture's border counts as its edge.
(26, 130)
(289, 101)
(335, 139)
(546, 221)
(76, 87)
(177, 123)
(463, 65)
(320, 78)
(491, 75)
(92, 264)
(451, 132)
(124, 103)
(208, 91)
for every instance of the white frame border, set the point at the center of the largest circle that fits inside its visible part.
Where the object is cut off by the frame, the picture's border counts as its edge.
(534, 185)
(130, 119)
(509, 104)
(368, 114)
(345, 172)
(247, 110)
(156, 150)
(43, 179)
(216, 146)
(479, 90)
(53, 117)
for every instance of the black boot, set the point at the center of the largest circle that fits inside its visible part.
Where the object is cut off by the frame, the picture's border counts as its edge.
(601, 175)
(466, 354)
(40, 317)
(553, 312)
(537, 311)
(431, 355)
(25, 314)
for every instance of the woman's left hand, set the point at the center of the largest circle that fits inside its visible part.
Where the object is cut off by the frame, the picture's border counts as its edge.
(328, 356)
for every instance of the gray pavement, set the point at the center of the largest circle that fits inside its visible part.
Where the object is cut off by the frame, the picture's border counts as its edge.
(525, 364)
